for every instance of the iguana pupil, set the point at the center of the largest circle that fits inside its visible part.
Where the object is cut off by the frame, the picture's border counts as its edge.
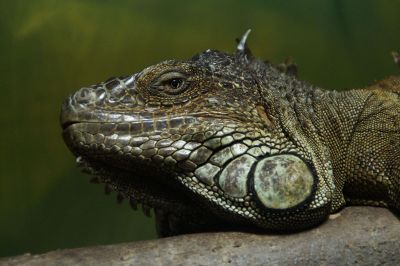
(175, 83)
(225, 140)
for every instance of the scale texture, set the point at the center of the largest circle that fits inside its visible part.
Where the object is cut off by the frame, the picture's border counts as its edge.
(224, 141)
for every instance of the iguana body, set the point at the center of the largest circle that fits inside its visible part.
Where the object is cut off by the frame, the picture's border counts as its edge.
(226, 140)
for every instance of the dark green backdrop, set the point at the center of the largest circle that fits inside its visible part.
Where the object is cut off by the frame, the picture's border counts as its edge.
(50, 48)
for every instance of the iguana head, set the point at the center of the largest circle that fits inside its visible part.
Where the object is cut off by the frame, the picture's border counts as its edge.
(199, 139)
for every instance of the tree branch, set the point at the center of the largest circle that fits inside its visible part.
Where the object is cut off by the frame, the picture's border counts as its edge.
(357, 235)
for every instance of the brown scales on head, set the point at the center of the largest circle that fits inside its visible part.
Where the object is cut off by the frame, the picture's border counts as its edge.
(226, 140)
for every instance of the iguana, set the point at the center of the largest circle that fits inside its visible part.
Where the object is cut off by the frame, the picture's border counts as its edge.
(224, 141)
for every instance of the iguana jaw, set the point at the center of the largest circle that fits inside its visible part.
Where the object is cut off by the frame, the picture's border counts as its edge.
(139, 186)
(139, 179)
(139, 176)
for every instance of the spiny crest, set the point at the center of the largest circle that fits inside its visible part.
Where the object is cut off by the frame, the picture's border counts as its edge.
(242, 49)
(230, 66)
(242, 57)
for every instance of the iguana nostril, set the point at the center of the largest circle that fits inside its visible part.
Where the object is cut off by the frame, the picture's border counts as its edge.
(113, 91)
(82, 93)
(85, 96)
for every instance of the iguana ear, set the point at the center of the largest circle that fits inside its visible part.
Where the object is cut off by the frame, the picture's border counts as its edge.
(242, 49)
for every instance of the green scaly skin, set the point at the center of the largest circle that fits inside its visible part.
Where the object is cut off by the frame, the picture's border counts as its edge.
(225, 141)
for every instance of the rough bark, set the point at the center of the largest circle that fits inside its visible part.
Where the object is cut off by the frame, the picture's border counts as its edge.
(355, 236)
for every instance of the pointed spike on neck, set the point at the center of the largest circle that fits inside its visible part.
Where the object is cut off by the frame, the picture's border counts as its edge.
(242, 44)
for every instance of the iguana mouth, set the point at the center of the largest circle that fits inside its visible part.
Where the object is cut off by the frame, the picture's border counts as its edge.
(154, 122)
(67, 124)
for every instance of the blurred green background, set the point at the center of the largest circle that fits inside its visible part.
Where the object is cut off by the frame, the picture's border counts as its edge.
(50, 48)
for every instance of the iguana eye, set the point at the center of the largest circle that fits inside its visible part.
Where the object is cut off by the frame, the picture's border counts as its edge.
(176, 83)
(171, 83)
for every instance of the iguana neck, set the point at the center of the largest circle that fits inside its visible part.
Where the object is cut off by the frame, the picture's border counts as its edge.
(319, 114)
(343, 121)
